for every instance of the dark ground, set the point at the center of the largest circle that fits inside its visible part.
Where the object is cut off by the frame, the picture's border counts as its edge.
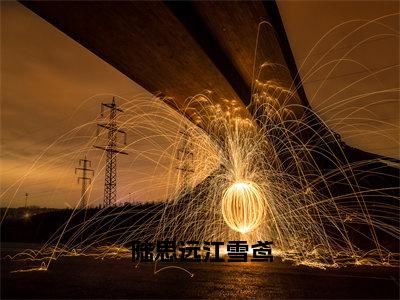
(84, 277)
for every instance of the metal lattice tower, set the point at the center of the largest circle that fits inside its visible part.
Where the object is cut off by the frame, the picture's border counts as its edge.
(111, 149)
(185, 157)
(26, 200)
(85, 180)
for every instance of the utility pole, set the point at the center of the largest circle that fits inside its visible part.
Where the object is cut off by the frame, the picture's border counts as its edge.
(111, 149)
(185, 157)
(85, 179)
(26, 200)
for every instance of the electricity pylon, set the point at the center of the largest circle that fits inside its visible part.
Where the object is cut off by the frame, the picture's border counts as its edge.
(85, 179)
(26, 200)
(111, 149)
(185, 157)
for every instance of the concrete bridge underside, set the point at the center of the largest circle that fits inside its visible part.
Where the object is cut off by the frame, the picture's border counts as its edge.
(180, 49)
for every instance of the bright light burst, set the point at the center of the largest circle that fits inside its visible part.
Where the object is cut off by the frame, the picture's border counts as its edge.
(243, 206)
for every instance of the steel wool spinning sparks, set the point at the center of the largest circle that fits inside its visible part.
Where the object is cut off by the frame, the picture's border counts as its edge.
(272, 170)
(243, 206)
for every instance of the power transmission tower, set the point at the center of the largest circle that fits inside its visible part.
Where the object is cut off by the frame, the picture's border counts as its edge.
(111, 149)
(26, 200)
(85, 179)
(185, 157)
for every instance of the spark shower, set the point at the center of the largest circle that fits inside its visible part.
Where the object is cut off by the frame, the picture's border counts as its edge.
(271, 171)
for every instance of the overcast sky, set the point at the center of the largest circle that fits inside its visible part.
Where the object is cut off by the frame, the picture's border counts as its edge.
(347, 53)
(49, 85)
